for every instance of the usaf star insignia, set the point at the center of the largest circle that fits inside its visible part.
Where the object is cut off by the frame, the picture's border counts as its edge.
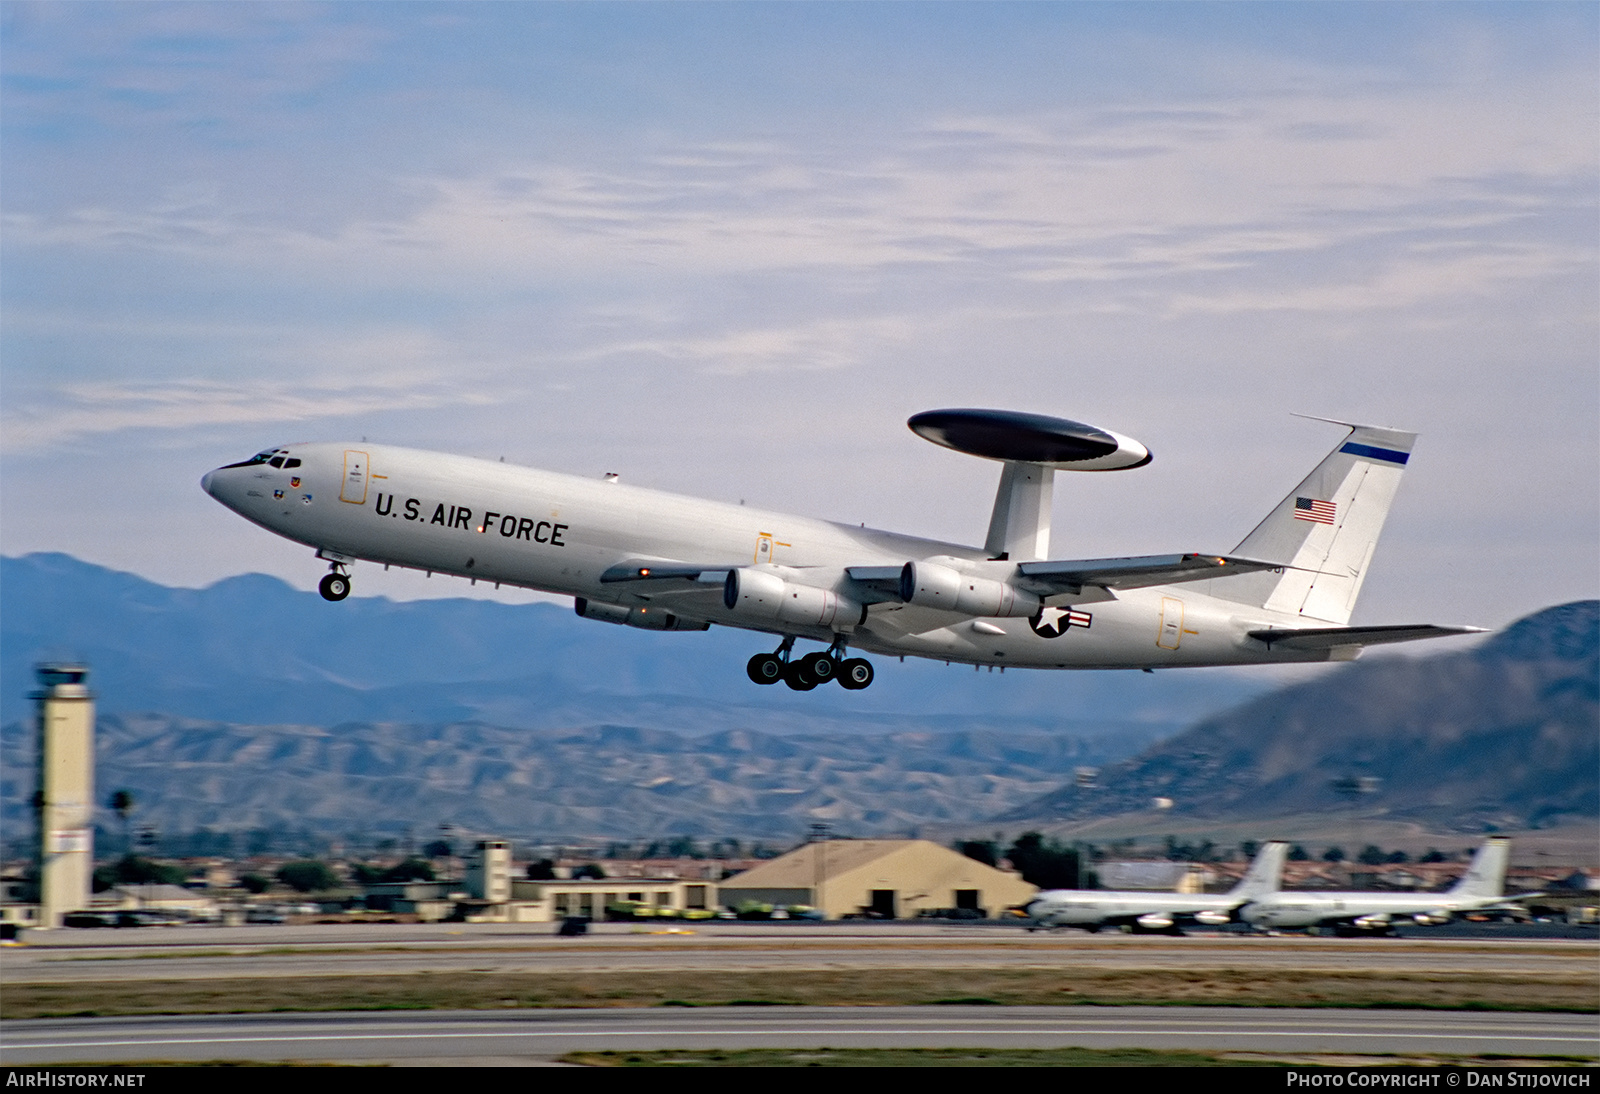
(1055, 622)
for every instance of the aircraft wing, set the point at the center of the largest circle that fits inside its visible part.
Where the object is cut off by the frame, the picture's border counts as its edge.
(1322, 638)
(1070, 576)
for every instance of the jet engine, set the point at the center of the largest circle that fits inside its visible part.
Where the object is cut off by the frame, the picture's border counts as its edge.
(1213, 918)
(1154, 921)
(931, 585)
(762, 594)
(645, 618)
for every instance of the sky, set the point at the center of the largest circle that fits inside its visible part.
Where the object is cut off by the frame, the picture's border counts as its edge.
(727, 249)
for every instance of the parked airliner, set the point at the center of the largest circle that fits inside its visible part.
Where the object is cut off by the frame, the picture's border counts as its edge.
(1092, 909)
(1481, 888)
(665, 562)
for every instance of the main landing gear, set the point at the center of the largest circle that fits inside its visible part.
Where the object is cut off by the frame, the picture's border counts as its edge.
(336, 584)
(805, 673)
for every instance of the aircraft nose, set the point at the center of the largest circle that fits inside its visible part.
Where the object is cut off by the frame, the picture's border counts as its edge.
(206, 481)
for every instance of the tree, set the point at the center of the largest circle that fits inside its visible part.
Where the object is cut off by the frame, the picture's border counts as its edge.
(590, 869)
(1372, 855)
(1333, 854)
(256, 883)
(1046, 864)
(137, 870)
(439, 848)
(1298, 854)
(543, 870)
(1433, 855)
(307, 876)
(412, 869)
(122, 803)
(982, 850)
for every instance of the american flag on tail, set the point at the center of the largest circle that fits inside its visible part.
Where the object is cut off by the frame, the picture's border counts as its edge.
(1314, 510)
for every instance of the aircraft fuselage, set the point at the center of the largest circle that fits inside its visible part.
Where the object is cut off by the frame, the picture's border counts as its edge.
(557, 533)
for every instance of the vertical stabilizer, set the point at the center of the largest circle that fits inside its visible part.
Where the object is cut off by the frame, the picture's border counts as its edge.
(1486, 877)
(1020, 527)
(1265, 873)
(1325, 531)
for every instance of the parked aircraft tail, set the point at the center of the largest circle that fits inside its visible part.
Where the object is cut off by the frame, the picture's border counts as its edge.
(1265, 873)
(1486, 877)
(1324, 532)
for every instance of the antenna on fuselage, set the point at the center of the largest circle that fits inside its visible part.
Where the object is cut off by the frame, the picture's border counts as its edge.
(1033, 448)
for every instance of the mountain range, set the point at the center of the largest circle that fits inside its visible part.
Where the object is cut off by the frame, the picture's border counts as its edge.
(251, 706)
(1502, 736)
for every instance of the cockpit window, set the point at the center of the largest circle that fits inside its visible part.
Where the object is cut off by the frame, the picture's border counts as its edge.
(260, 458)
(276, 461)
(291, 463)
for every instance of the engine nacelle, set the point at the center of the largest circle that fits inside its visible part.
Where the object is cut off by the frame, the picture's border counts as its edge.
(930, 585)
(1155, 921)
(645, 618)
(762, 594)
(1213, 918)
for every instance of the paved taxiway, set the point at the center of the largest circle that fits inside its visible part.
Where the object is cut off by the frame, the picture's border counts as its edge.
(225, 953)
(529, 1036)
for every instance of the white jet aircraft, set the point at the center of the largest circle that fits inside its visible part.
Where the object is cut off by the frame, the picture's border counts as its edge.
(1482, 888)
(1092, 909)
(665, 562)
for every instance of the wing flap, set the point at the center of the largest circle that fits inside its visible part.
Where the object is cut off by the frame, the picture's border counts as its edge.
(1134, 573)
(1325, 638)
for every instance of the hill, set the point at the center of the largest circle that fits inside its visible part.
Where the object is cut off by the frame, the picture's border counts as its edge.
(1506, 735)
(606, 782)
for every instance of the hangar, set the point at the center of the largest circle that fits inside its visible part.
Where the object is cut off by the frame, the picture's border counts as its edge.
(878, 878)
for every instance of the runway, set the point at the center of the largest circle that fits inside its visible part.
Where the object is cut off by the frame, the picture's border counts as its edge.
(224, 953)
(460, 1038)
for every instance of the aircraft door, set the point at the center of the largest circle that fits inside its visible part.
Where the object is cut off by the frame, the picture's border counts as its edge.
(1171, 623)
(767, 547)
(353, 489)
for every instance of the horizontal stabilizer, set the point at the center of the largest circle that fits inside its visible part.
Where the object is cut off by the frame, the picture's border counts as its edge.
(1133, 573)
(1326, 638)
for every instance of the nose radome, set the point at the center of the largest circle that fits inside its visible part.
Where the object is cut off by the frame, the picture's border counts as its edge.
(205, 481)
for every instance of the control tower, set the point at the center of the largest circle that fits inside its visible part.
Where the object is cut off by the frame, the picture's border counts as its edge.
(65, 798)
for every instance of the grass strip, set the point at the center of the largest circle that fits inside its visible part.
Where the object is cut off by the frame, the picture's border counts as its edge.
(455, 990)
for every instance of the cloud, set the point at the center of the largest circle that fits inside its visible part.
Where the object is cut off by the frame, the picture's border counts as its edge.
(1081, 196)
(277, 379)
(85, 410)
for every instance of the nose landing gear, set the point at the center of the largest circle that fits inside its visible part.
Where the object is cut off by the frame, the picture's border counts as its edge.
(805, 673)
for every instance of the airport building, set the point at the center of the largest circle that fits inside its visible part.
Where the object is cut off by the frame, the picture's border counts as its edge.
(493, 895)
(878, 878)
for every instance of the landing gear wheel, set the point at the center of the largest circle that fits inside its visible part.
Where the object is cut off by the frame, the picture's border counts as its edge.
(765, 668)
(819, 667)
(796, 676)
(855, 674)
(334, 587)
